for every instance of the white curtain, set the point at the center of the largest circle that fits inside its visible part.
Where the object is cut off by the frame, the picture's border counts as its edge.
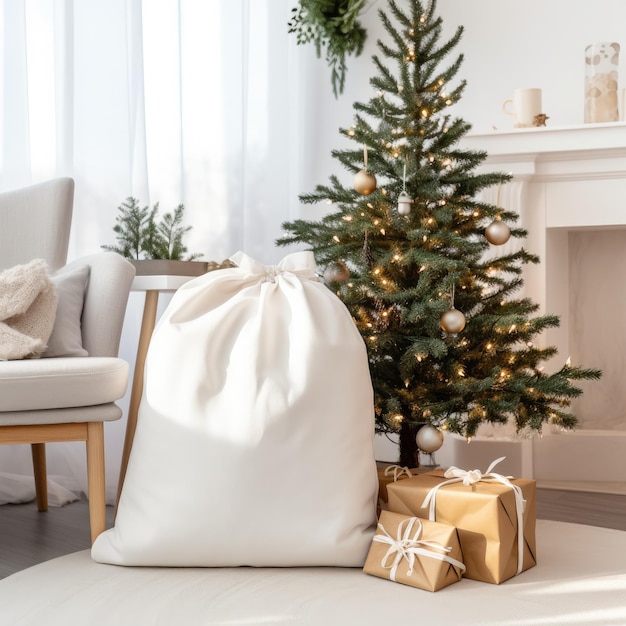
(209, 103)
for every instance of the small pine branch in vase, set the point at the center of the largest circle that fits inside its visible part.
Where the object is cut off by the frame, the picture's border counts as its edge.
(141, 235)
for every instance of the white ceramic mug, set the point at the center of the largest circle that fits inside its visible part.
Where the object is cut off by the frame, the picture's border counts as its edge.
(526, 105)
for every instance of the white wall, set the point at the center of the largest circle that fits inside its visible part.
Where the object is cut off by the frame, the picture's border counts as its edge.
(531, 43)
(507, 45)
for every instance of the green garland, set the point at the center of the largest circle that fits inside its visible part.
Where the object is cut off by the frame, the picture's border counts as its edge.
(330, 24)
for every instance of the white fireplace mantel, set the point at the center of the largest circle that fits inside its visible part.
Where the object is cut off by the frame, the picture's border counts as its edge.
(573, 177)
(569, 188)
(589, 151)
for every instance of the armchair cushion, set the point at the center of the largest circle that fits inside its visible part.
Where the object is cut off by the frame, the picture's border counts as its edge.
(110, 279)
(37, 384)
(66, 338)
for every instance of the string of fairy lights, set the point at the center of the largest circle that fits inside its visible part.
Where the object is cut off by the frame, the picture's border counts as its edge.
(497, 232)
(452, 321)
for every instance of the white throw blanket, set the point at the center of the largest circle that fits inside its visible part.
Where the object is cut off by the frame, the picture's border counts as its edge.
(27, 310)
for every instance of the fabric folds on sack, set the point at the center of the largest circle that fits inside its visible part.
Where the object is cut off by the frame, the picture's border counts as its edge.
(254, 441)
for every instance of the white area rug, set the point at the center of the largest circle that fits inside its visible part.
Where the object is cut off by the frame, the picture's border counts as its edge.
(580, 580)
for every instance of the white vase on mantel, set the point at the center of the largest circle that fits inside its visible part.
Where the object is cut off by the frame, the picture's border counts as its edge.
(601, 80)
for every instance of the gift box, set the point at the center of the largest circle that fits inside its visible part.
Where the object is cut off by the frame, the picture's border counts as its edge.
(415, 552)
(390, 474)
(494, 515)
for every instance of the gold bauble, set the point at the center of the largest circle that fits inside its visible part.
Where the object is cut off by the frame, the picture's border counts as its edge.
(364, 182)
(452, 321)
(429, 439)
(336, 272)
(497, 233)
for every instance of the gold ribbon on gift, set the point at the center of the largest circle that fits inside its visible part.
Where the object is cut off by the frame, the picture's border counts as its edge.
(457, 475)
(397, 471)
(407, 547)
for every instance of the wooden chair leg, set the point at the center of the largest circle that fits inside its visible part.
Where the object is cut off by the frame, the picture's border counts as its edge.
(95, 478)
(38, 451)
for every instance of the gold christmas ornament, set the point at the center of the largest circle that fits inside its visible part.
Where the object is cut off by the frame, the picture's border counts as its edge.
(452, 321)
(336, 272)
(364, 182)
(429, 439)
(404, 203)
(497, 233)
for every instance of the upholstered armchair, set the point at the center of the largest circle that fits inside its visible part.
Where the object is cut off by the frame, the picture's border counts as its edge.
(71, 390)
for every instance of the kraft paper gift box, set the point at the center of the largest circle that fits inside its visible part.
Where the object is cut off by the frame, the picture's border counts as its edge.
(390, 474)
(494, 515)
(415, 552)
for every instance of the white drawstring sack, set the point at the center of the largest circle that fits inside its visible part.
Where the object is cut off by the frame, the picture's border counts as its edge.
(254, 440)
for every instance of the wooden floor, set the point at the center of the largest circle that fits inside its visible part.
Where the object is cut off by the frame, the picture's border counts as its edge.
(28, 537)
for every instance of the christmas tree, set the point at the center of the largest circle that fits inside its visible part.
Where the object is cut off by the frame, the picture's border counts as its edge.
(412, 251)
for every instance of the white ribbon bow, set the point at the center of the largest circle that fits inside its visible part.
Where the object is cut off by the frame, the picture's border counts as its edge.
(407, 547)
(397, 471)
(301, 264)
(457, 475)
